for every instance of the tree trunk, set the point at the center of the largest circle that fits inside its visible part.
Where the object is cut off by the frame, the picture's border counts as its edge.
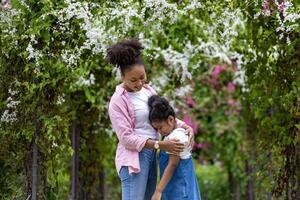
(237, 192)
(296, 181)
(75, 161)
(250, 182)
(271, 175)
(102, 189)
(249, 165)
(34, 169)
(234, 187)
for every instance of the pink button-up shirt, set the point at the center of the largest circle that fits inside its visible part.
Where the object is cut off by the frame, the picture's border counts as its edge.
(121, 113)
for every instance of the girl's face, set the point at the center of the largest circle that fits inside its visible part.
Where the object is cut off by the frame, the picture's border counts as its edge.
(134, 78)
(165, 127)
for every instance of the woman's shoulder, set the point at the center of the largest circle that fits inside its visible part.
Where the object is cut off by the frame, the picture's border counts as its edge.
(116, 98)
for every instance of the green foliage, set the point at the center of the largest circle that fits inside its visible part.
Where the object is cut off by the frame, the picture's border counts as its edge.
(213, 182)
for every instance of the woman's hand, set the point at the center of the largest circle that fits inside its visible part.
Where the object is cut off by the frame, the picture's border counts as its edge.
(190, 133)
(156, 195)
(172, 146)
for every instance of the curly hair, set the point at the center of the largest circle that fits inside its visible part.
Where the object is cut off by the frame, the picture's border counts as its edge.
(125, 54)
(159, 109)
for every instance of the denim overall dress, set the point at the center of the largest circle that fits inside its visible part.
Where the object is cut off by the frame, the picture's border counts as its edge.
(183, 185)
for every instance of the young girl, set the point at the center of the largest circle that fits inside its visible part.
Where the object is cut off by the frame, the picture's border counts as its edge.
(178, 179)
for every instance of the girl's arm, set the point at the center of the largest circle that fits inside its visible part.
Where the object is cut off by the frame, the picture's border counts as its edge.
(168, 173)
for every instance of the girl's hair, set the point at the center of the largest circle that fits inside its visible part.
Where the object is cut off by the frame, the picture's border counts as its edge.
(125, 54)
(160, 109)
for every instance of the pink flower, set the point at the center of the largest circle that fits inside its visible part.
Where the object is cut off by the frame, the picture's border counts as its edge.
(198, 145)
(227, 112)
(190, 101)
(235, 107)
(281, 6)
(266, 5)
(6, 4)
(232, 102)
(230, 87)
(202, 145)
(217, 70)
(189, 122)
(215, 73)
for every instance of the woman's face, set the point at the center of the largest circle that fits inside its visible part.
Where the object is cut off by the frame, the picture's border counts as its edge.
(164, 127)
(134, 78)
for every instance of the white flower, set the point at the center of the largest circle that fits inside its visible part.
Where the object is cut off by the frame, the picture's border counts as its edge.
(109, 132)
(192, 5)
(10, 114)
(173, 105)
(183, 91)
(60, 100)
(12, 92)
(86, 82)
(70, 57)
(161, 11)
(160, 82)
(179, 61)
(117, 72)
(239, 77)
(23, 3)
(9, 117)
(33, 53)
(54, 144)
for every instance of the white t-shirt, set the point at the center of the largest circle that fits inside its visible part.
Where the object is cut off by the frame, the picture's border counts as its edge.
(141, 113)
(180, 134)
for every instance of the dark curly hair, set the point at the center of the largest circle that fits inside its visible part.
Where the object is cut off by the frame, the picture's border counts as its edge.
(125, 54)
(159, 109)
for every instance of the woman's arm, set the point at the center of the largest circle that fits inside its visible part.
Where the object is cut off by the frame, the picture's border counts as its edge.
(172, 146)
(168, 173)
(126, 135)
(189, 130)
(120, 121)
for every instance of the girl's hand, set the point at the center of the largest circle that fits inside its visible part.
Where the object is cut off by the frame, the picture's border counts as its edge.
(190, 133)
(172, 146)
(156, 195)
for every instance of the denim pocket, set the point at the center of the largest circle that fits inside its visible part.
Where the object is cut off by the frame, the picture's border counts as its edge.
(124, 173)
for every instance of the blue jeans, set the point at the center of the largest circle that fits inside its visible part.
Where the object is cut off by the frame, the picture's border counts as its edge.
(140, 186)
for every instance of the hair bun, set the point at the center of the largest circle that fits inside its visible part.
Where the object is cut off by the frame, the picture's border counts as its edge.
(153, 100)
(124, 53)
(157, 102)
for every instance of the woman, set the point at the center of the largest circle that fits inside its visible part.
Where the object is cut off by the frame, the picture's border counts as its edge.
(128, 111)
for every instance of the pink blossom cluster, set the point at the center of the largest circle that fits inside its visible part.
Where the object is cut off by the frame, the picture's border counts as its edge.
(230, 87)
(6, 4)
(266, 5)
(190, 122)
(217, 70)
(235, 107)
(190, 101)
(215, 73)
(281, 5)
(202, 145)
